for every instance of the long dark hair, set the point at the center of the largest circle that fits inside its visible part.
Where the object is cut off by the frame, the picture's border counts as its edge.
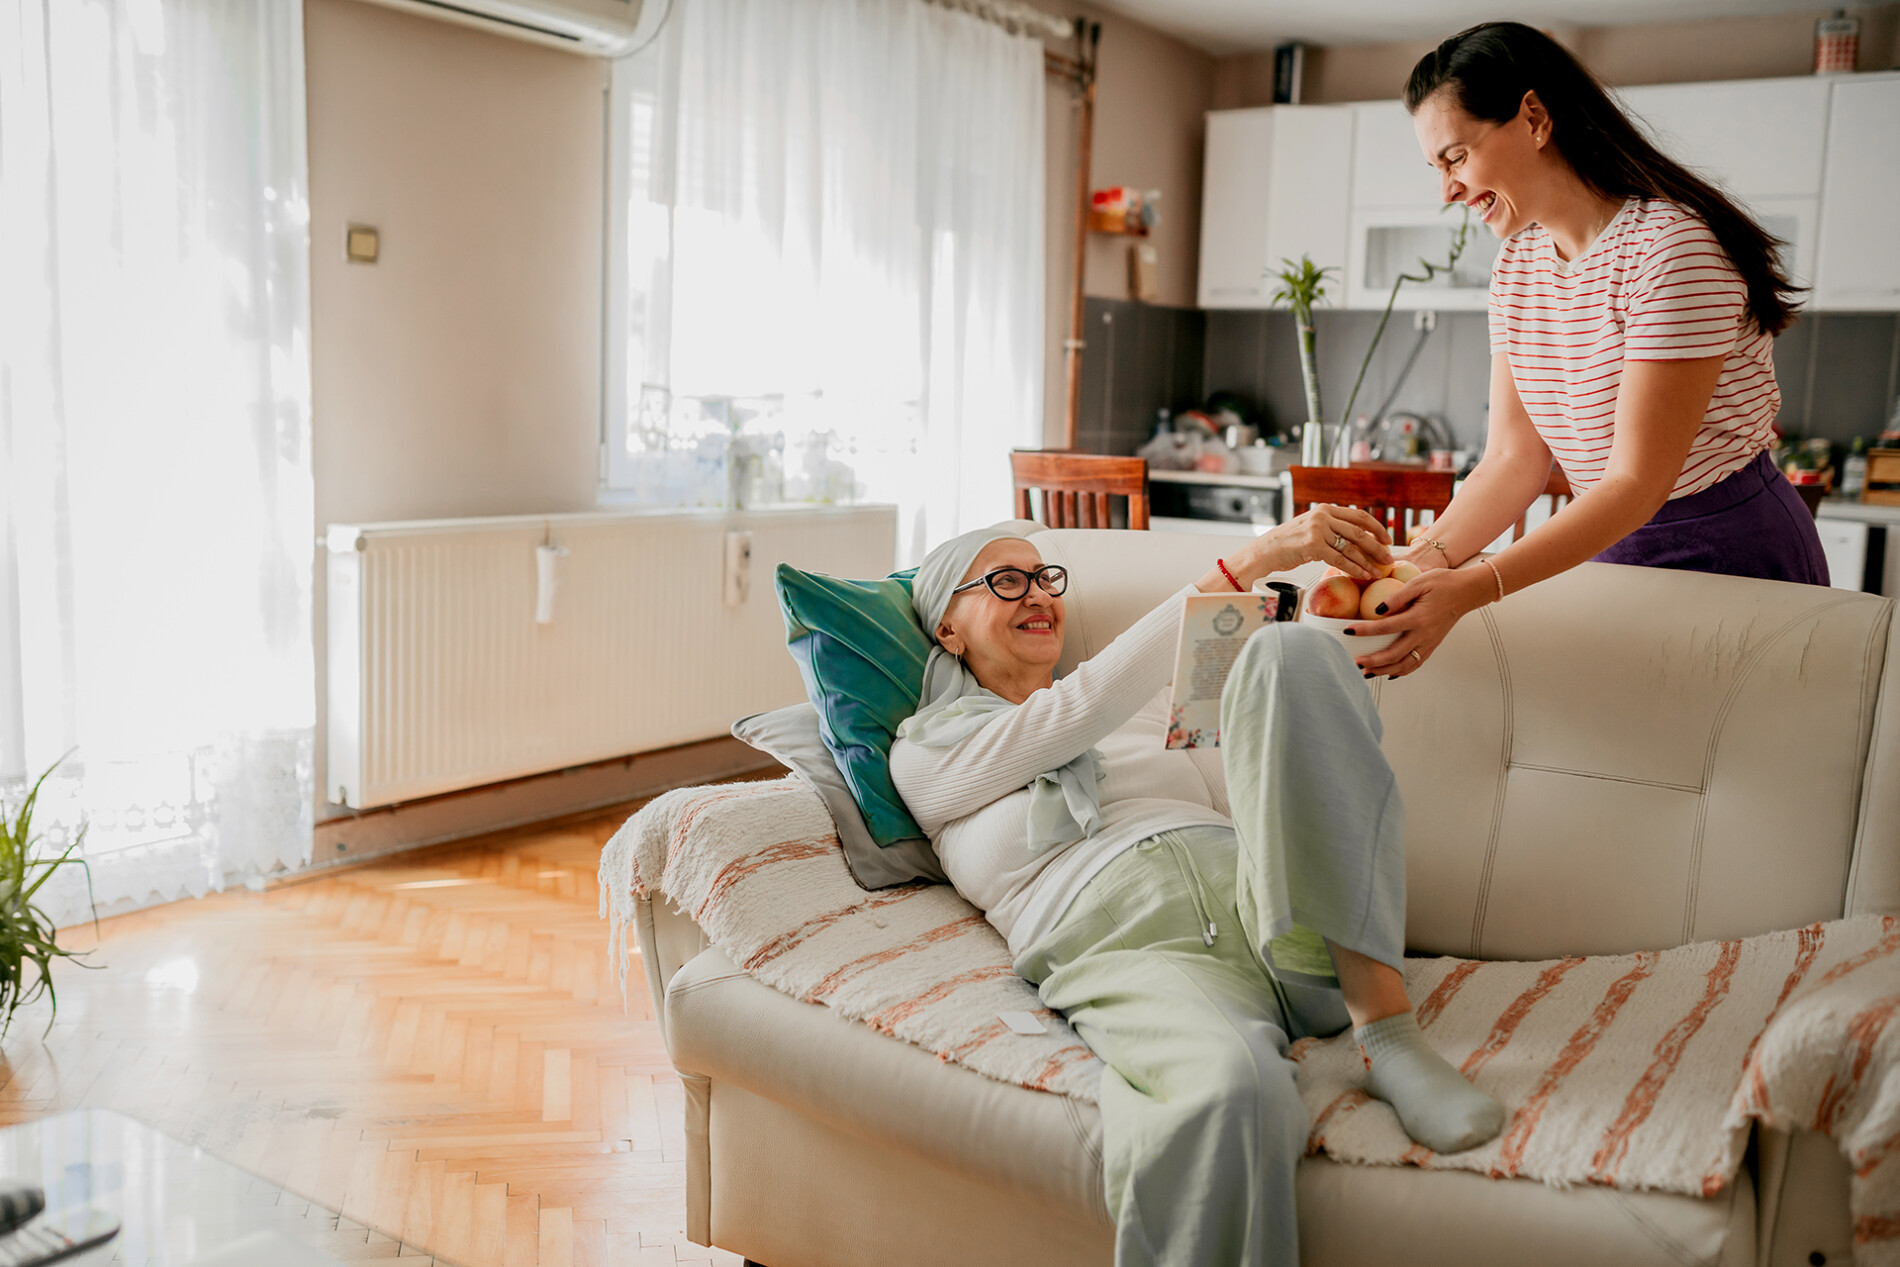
(1490, 67)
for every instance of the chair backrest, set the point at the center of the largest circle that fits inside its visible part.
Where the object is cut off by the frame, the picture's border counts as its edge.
(1075, 487)
(1557, 488)
(1396, 499)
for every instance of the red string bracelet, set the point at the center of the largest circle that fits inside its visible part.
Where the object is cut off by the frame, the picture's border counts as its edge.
(1222, 565)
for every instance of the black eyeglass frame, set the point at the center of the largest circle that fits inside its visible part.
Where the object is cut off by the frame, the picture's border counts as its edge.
(1038, 577)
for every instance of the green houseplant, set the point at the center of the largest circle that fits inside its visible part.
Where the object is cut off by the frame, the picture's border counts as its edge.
(1301, 286)
(28, 939)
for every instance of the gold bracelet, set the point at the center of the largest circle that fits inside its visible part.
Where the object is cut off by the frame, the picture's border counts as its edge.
(1440, 547)
(1496, 574)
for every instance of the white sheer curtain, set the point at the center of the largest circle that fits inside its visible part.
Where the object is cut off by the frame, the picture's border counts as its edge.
(155, 487)
(828, 259)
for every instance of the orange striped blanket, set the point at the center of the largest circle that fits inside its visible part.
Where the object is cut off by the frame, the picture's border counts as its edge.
(759, 868)
(1647, 1070)
(1634, 1071)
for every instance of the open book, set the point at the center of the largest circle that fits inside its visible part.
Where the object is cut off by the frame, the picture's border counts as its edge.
(1214, 627)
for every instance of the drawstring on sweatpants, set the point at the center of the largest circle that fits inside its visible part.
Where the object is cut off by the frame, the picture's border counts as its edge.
(1190, 876)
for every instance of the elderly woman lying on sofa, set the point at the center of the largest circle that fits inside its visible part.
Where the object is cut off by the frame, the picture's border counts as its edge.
(1191, 912)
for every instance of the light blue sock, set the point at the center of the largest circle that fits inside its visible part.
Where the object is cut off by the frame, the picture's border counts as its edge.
(1435, 1104)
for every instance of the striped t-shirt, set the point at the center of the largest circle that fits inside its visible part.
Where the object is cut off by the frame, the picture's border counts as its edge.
(1654, 286)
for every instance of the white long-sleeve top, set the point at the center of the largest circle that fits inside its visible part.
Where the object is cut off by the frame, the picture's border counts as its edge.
(972, 799)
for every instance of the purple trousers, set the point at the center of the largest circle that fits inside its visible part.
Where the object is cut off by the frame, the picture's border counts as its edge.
(1751, 523)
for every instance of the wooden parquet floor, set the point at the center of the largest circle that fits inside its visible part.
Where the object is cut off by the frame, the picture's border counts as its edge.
(434, 1047)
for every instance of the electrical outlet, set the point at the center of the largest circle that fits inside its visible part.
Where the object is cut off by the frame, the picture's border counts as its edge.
(738, 568)
(1425, 319)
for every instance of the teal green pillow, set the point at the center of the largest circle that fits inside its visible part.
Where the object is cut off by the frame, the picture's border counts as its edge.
(861, 652)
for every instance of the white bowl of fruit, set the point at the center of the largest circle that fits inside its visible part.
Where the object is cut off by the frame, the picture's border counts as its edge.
(1336, 601)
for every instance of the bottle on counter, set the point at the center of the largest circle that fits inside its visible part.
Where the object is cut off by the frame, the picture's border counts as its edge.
(1854, 470)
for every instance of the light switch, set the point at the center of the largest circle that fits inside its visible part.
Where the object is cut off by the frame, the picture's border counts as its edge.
(360, 243)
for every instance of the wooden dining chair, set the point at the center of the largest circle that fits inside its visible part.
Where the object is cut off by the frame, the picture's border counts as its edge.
(1557, 488)
(1396, 498)
(1075, 487)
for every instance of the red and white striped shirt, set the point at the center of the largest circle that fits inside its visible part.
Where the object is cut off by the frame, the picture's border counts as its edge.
(1654, 286)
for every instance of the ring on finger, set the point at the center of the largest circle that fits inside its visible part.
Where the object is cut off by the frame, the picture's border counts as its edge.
(1339, 541)
(1417, 656)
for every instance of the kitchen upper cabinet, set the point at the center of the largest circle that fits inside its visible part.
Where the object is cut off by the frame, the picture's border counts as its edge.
(1399, 219)
(1760, 140)
(1859, 264)
(1274, 188)
(1307, 197)
(1234, 188)
(1756, 138)
(1815, 159)
(1388, 168)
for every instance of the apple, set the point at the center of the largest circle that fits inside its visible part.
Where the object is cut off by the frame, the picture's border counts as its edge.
(1378, 592)
(1405, 570)
(1335, 597)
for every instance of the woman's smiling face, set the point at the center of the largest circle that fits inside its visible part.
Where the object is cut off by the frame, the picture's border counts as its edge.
(997, 638)
(1493, 168)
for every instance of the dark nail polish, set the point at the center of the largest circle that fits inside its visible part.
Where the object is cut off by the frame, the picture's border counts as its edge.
(1351, 633)
(1370, 676)
(1379, 610)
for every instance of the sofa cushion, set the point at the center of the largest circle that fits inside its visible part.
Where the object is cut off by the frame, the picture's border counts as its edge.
(861, 654)
(791, 737)
(724, 1025)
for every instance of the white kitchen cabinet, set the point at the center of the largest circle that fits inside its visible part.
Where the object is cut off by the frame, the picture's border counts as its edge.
(1234, 209)
(1757, 138)
(1760, 140)
(1858, 264)
(1388, 167)
(1275, 188)
(1399, 218)
(1309, 195)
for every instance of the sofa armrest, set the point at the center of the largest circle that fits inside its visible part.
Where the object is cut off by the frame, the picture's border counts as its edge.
(1801, 1181)
(668, 939)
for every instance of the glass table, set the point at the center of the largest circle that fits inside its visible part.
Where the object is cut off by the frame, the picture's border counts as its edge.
(178, 1205)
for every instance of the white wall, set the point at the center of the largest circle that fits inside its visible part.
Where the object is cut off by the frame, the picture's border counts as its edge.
(460, 375)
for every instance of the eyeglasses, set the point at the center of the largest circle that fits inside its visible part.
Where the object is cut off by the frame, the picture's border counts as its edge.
(1010, 584)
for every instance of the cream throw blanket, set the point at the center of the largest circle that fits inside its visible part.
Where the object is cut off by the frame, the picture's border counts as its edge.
(1634, 1071)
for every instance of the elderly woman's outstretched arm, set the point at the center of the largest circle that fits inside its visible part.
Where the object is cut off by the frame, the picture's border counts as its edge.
(1050, 728)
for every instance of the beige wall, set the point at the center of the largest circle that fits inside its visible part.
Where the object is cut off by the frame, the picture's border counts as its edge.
(1151, 95)
(460, 375)
(1646, 53)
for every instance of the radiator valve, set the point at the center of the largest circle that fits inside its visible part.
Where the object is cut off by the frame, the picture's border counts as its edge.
(738, 568)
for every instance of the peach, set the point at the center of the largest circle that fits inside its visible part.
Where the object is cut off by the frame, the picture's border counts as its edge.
(1378, 592)
(1336, 597)
(1405, 570)
(1381, 570)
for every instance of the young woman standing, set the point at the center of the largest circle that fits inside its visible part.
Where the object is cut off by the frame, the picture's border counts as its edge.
(1633, 310)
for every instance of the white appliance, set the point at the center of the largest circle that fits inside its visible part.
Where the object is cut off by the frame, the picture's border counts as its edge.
(600, 28)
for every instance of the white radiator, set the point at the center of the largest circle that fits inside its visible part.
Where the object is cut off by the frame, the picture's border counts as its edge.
(441, 678)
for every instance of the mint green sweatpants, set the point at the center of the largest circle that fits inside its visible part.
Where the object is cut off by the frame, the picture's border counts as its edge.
(1165, 962)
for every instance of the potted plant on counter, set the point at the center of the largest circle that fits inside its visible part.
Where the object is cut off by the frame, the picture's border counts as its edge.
(1301, 286)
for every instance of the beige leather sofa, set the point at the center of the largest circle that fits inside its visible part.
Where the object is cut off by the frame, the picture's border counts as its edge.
(1617, 759)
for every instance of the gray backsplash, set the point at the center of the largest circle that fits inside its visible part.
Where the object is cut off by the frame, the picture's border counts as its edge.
(1838, 371)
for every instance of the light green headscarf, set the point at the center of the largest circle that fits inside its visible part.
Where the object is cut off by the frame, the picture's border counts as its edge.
(1064, 804)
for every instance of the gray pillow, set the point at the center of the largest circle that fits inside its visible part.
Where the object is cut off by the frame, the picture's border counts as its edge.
(790, 737)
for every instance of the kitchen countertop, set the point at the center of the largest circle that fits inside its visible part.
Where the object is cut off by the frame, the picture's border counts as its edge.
(1839, 508)
(1226, 479)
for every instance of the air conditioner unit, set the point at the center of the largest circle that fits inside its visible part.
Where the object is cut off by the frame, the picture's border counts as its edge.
(600, 28)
